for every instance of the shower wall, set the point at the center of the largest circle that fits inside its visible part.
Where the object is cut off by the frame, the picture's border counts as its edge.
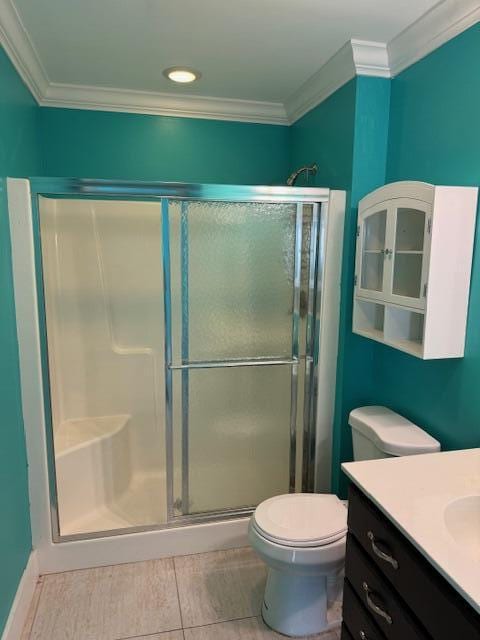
(104, 304)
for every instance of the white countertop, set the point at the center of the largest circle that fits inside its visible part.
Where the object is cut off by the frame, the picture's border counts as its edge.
(413, 491)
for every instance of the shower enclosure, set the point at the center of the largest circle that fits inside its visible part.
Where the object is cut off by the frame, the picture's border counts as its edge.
(179, 337)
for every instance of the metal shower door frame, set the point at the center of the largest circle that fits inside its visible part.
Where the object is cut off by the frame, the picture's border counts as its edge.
(163, 192)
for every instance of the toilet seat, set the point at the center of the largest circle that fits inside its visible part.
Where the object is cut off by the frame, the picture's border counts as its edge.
(301, 519)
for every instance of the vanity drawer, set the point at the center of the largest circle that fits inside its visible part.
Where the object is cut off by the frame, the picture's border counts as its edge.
(377, 596)
(356, 618)
(435, 602)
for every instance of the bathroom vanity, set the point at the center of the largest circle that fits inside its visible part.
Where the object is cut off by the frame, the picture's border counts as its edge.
(413, 548)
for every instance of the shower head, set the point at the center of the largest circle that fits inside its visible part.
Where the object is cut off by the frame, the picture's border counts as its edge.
(313, 168)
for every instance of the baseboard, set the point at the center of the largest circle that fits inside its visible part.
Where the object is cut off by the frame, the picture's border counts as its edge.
(23, 598)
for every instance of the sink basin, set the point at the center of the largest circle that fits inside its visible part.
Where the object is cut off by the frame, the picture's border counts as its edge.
(462, 518)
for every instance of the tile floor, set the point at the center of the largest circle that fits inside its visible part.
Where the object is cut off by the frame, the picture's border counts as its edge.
(209, 596)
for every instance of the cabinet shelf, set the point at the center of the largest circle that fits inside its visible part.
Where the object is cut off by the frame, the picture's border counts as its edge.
(408, 346)
(409, 253)
(414, 253)
(395, 326)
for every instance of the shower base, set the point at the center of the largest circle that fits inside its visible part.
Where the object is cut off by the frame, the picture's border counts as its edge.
(142, 504)
(98, 487)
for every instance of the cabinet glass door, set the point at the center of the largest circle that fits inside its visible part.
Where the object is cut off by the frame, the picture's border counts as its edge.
(408, 258)
(372, 233)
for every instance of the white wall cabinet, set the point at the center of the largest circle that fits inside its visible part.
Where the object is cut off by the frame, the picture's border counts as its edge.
(413, 264)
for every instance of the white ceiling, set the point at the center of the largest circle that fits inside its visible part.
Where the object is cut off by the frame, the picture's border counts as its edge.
(248, 49)
(261, 60)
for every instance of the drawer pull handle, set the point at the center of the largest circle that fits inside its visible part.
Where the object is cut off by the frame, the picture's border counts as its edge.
(374, 607)
(378, 552)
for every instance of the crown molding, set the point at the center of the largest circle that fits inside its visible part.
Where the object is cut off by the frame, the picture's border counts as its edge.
(370, 58)
(73, 96)
(21, 51)
(442, 23)
(356, 57)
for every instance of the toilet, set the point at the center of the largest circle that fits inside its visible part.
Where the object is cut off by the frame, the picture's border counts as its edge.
(301, 536)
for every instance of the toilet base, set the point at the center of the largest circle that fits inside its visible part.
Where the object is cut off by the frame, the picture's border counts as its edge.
(295, 605)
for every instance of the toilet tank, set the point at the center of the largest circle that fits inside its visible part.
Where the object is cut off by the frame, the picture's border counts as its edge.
(378, 432)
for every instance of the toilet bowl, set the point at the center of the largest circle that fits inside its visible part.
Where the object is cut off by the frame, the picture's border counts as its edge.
(301, 537)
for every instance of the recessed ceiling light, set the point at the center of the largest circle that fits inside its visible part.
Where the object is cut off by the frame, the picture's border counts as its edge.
(181, 74)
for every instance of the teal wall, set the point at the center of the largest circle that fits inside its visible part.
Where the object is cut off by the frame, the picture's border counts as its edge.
(97, 144)
(18, 157)
(355, 354)
(435, 136)
(347, 137)
(325, 136)
(423, 125)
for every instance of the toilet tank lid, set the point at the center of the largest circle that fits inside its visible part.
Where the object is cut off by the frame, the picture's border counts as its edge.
(391, 432)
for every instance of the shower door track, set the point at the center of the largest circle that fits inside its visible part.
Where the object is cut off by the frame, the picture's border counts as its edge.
(145, 190)
(163, 192)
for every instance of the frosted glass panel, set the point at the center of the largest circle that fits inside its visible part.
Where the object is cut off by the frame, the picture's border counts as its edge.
(239, 259)
(372, 271)
(374, 229)
(238, 435)
(410, 229)
(408, 259)
(407, 275)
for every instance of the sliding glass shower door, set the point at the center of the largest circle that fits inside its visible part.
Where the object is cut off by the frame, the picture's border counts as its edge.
(237, 280)
(178, 327)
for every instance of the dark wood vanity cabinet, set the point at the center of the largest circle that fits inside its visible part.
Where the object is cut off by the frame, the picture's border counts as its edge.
(391, 591)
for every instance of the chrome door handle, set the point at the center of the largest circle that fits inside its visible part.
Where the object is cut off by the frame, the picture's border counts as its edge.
(363, 635)
(381, 554)
(374, 607)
